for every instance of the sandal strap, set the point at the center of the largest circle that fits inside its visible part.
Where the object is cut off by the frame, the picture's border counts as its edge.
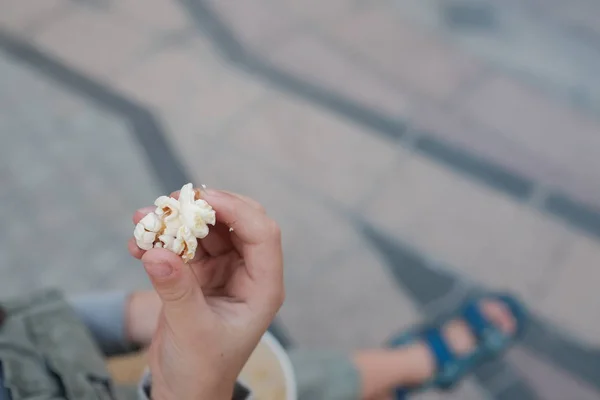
(443, 355)
(479, 325)
(488, 335)
(519, 313)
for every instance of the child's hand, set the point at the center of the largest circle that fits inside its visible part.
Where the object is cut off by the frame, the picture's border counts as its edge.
(217, 307)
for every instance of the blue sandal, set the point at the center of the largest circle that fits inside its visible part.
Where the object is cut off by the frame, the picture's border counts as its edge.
(491, 342)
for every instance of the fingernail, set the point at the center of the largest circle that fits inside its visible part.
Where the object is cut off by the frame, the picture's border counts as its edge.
(159, 270)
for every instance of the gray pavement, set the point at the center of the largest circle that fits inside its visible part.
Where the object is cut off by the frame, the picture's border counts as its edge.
(71, 174)
(413, 152)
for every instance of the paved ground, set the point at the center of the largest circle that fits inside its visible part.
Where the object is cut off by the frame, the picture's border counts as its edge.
(413, 152)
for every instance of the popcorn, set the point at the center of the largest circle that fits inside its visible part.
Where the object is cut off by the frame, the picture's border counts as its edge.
(176, 225)
(146, 230)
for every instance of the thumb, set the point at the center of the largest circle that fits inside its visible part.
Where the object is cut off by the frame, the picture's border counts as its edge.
(176, 285)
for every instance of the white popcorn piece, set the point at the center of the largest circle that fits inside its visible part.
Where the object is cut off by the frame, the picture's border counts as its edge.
(190, 244)
(167, 207)
(195, 214)
(146, 230)
(176, 224)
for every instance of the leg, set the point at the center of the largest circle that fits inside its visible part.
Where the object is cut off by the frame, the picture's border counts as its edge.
(374, 374)
(384, 370)
(119, 322)
(142, 316)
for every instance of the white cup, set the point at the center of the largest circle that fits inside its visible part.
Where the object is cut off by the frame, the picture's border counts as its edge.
(285, 363)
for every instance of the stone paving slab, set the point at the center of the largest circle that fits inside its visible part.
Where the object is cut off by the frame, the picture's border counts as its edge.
(353, 285)
(552, 45)
(21, 16)
(547, 57)
(528, 118)
(284, 131)
(489, 237)
(557, 202)
(163, 15)
(111, 41)
(566, 299)
(68, 191)
(258, 24)
(322, 13)
(582, 16)
(550, 382)
(461, 131)
(405, 53)
(190, 88)
(167, 78)
(308, 57)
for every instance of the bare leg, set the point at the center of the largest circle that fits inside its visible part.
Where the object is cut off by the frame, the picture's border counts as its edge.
(383, 370)
(141, 316)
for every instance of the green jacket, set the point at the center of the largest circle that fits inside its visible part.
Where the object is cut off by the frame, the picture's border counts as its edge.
(51, 348)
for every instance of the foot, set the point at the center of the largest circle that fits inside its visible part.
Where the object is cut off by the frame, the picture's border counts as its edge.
(459, 338)
(412, 365)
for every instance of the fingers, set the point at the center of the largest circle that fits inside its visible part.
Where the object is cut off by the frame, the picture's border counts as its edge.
(260, 239)
(251, 202)
(249, 222)
(134, 250)
(176, 286)
(218, 240)
(247, 199)
(264, 263)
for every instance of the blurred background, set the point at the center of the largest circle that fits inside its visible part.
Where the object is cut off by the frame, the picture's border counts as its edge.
(413, 151)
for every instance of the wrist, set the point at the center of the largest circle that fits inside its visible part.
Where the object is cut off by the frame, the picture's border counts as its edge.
(197, 386)
(160, 393)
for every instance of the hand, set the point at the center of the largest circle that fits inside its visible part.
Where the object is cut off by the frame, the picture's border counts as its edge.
(217, 307)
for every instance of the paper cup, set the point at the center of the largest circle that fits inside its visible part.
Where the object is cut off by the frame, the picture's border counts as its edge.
(269, 373)
(286, 365)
